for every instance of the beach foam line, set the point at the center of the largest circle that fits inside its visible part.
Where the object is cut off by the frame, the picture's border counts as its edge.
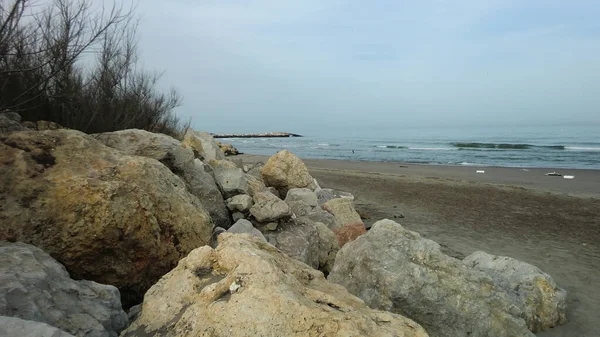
(577, 148)
(503, 146)
(433, 148)
(391, 147)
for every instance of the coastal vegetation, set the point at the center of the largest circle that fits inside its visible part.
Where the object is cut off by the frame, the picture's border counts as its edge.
(76, 63)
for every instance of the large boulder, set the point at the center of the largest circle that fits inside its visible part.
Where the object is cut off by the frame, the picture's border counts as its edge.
(349, 224)
(108, 217)
(267, 207)
(395, 269)
(16, 327)
(533, 291)
(285, 171)
(34, 287)
(307, 241)
(203, 144)
(246, 287)
(230, 178)
(179, 160)
(10, 121)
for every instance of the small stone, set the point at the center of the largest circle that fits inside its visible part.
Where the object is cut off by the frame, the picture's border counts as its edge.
(234, 287)
(271, 226)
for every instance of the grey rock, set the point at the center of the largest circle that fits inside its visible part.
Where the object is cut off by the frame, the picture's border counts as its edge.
(320, 215)
(135, 311)
(274, 191)
(306, 241)
(34, 287)
(271, 226)
(299, 208)
(238, 162)
(11, 115)
(255, 170)
(324, 195)
(397, 270)
(11, 121)
(179, 160)
(328, 247)
(230, 178)
(16, 327)
(305, 195)
(243, 226)
(237, 215)
(543, 303)
(268, 207)
(301, 200)
(203, 145)
(241, 203)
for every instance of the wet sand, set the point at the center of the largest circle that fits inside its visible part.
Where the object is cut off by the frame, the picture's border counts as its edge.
(550, 222)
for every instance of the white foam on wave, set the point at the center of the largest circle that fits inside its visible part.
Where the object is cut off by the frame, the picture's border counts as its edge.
(466, 163)
(433, 148)
(577, 148)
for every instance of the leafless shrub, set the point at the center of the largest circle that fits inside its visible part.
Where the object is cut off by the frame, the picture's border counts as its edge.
(77, 65)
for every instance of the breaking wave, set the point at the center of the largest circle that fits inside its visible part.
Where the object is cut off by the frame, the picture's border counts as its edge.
(504, 146)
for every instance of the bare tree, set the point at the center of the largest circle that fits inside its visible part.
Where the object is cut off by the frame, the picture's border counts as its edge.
(43, 75)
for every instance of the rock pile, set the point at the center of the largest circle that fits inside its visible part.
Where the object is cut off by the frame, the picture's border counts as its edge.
(218, 247)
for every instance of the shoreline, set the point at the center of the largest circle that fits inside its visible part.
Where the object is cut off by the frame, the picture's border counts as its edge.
(586, 182)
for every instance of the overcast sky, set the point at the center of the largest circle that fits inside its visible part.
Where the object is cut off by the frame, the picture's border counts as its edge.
(291, 64)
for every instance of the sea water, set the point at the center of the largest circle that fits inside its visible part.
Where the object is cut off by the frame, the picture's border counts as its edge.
(515, 146)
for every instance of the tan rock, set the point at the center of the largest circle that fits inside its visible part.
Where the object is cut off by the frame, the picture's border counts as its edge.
(255, 185)
(203, 144)
(228, 149)
(343, 211)
(268, 207)
(285, 171)
(108, 217)
(349, 223)
(179, 160)
(245, 287)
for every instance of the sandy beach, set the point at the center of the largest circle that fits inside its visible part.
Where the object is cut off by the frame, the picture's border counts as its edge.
(548, 221)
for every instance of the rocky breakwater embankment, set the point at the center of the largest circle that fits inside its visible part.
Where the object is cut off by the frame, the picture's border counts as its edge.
(256, 135)
(195, 245)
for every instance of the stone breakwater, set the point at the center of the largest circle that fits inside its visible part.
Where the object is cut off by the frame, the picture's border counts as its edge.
(193, 244)
(257, 135)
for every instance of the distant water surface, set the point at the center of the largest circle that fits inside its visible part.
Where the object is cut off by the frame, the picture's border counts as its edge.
(520, 146)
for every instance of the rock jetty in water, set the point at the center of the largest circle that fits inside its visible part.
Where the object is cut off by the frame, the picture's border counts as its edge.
(257, 135)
